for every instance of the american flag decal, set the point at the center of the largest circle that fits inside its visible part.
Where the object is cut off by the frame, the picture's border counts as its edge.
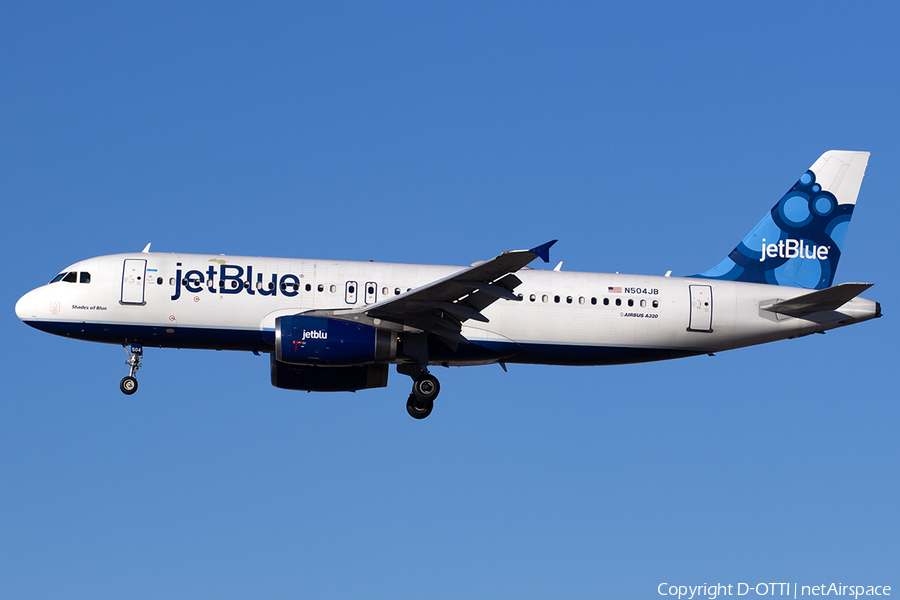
(614, 290)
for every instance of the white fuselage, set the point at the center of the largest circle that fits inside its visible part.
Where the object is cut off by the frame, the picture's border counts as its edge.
(231, 302)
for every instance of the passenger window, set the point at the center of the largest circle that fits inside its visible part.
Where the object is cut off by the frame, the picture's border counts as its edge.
(234, 283)
(568, 299)
(544, 298)
(320, 287)
(396, 291)
(159, 281)
(333, 288)
(643, 304)
(656, 304)
(618, 302)
(581, 300)
(85, 277)
(606, 302)
(556, 299)
(308, 287)
(271, 285)
(593, 301)
(630, 302)
(171, 281)
(532, 298)
(384, 291)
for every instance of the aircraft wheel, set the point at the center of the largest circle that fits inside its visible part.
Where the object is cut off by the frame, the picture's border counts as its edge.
(418, 409)
(426, 388)
(128, 385)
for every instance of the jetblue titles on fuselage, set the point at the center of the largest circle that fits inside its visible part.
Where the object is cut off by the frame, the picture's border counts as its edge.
(231, 281)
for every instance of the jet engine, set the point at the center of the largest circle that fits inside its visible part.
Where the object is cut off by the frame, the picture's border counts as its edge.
(319, 354)
(302, 340)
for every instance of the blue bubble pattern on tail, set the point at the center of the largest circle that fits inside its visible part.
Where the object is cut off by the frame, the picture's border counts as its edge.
(797, 244)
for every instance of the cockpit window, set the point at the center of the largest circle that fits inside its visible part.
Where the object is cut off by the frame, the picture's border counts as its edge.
(73, 277)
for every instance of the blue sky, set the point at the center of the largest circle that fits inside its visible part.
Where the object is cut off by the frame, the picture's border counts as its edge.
(646, 137)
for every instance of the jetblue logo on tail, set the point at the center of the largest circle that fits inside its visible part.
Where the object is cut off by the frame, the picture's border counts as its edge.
(793, 249)
(799, 241)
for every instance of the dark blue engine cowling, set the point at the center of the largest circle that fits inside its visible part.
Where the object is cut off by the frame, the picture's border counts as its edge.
(302, 340)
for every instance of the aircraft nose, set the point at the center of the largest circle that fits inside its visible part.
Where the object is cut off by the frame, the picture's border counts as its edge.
(25, 307)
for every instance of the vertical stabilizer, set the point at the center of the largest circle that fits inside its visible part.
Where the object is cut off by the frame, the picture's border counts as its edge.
(799, 242)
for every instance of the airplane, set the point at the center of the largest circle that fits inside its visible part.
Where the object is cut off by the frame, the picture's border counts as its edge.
(331, 325)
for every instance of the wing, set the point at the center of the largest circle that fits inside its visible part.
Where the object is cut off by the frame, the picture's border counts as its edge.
(440, 307)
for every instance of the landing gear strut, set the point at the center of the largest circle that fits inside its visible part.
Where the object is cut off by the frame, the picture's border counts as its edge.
(129, 384)
(425, 389)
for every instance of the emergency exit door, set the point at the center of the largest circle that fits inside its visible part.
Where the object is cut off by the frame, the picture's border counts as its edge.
(701, 308)
(133, 276)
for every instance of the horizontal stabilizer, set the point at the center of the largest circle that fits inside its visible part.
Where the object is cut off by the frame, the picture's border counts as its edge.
(821, 301)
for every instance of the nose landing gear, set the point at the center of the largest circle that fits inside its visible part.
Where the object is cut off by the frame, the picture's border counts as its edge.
(129, 384)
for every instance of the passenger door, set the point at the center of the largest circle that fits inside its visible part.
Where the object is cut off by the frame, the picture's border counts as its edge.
(701, 308)
(133, 278)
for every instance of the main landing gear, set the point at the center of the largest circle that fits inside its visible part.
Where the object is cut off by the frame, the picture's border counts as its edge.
(129, 384)
(425, 389)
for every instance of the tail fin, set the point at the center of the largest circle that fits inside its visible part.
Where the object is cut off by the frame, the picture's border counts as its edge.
(799, 242)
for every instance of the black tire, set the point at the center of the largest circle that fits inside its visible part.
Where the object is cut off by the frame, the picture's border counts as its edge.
(418, 409)
(426, 388)
(128, 385)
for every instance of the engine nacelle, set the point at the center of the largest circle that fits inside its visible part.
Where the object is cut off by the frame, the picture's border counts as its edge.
(328, 379)
(301, 340)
